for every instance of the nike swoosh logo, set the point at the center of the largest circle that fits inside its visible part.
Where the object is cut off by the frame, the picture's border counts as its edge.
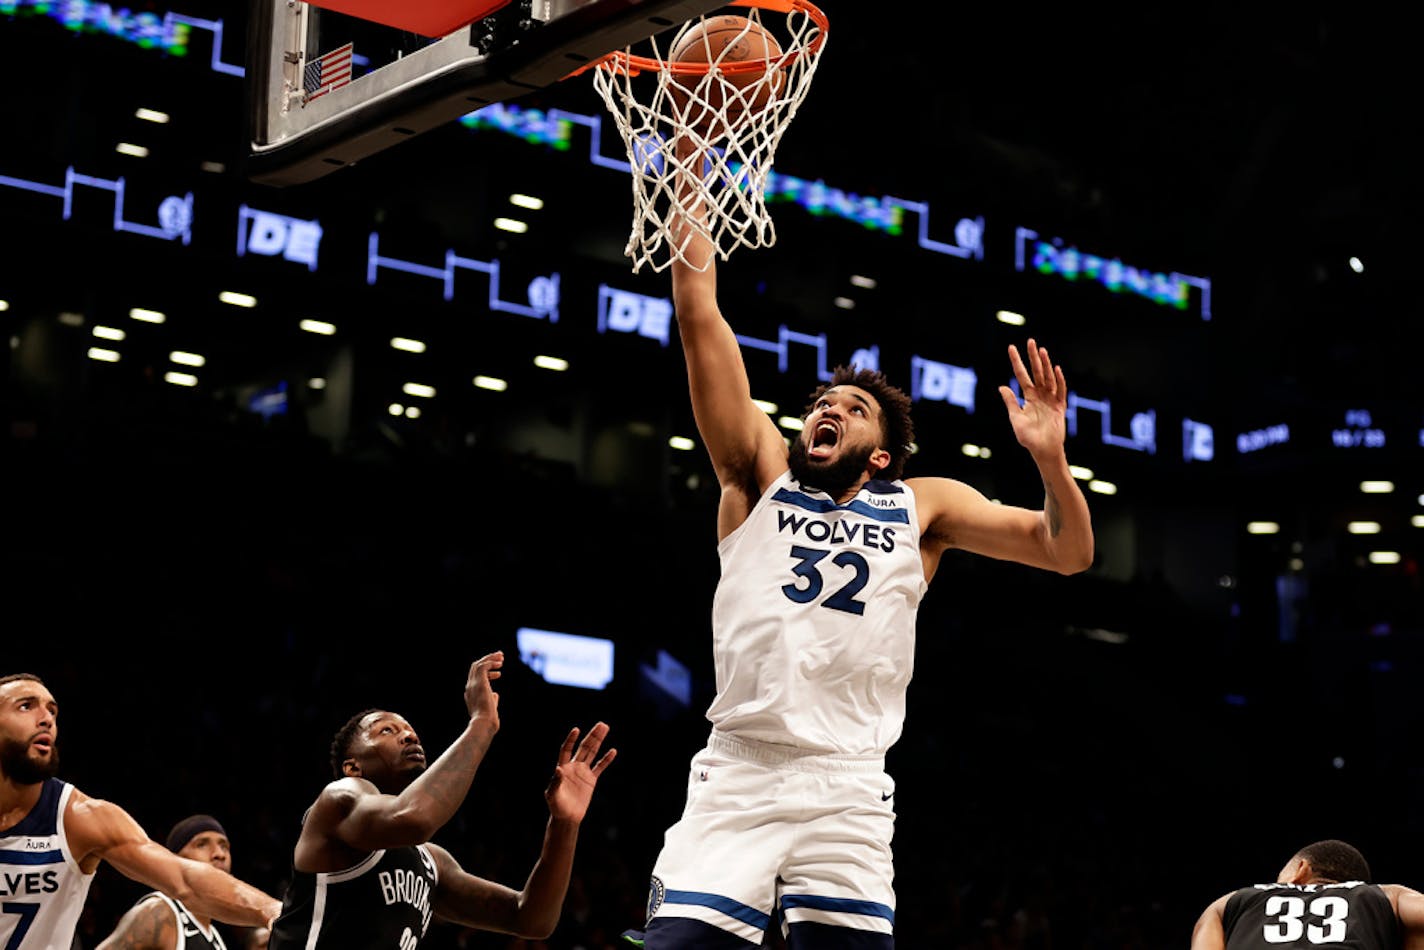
(886, 797)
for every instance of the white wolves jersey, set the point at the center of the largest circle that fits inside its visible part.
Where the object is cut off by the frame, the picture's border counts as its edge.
(385, 901)
(813, 622)
(42, 888)
(191, 934)
(1351, 916)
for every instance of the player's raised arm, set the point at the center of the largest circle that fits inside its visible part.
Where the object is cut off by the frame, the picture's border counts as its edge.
(746, 449)
(1057, 538)
(356, 813)
(534, 911)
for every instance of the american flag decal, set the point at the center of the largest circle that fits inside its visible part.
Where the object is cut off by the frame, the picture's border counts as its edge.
(327, 72)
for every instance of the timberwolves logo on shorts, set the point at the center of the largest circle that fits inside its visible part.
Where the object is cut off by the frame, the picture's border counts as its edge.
(656, 893)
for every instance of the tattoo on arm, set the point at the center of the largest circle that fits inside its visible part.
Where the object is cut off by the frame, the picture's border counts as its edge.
(1053, 512)
(151, 928)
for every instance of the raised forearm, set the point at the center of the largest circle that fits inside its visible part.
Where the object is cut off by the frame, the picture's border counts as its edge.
(434, 797)
(1067, 524)
(542, 900)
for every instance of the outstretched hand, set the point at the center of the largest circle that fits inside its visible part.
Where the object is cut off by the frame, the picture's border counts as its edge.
(1039, 423)
(576, 774)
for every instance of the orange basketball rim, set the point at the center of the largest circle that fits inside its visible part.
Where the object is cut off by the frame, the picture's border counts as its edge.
(633, 64)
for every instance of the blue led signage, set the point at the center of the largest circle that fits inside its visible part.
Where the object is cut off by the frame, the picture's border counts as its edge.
(542, 293)
(270, 234)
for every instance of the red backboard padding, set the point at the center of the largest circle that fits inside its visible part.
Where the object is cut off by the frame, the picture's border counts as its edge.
(434, 18)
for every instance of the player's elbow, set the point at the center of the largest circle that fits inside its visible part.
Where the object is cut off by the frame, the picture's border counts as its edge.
(1075, 559)
(537, 926)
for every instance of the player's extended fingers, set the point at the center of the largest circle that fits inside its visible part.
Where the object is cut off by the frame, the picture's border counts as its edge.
(566, 751)
(588, 748)
(1047, 380)
(1062, 383)
(1011, 402)
(604, 762)
(1020, 373)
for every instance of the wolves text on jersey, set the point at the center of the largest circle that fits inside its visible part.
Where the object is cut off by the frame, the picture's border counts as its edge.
(873, 536)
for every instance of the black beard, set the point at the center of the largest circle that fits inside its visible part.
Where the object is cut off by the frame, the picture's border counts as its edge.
(833, 478)
(15, 762)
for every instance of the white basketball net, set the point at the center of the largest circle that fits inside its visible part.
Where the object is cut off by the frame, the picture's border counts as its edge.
(717, 124)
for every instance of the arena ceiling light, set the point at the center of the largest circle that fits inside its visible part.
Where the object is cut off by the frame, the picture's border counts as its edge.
(1080, 473)
(4, 305)
(128, 148)
(410, 346)
(865, 283)
(527, 201)
(1363, 527)
(316, 382)
(1384, 557)
(147, 316)
(1102, 487)
(109, 333)
(186, 359)
(1377, 487)
(493, 383)
(682, 442)
(511, 225)
(1011, 318)
(180, 379)
(1262, 527)
(103, 355)
(1417, 521)
(1357, 265)
(412, 412)
(237, 299)
(767, 407)
(791, 422)
(320, 327)
(845, 303)
(395, 409)
(151, 115)
(418, 389)
(551, 362)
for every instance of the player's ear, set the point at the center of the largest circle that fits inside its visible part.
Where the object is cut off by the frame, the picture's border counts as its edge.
(880, 460)
(1298, 871)
(352, 768)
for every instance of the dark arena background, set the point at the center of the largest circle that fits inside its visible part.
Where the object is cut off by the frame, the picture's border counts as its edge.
(1208, 220)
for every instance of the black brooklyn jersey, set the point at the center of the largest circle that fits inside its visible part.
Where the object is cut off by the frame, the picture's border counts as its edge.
(1350, 916)
(383, 903)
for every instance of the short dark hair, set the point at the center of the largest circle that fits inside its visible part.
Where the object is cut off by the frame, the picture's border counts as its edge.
(13, 677)
(1336, 861)
(341, 742)
(895, 426)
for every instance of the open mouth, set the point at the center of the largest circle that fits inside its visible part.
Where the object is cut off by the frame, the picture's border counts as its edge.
(824, 439)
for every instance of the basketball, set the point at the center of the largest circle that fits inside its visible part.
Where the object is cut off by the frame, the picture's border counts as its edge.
(724, 40)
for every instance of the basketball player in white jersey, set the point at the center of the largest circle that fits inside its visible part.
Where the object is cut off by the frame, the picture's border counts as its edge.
(159, 922)
(1323, 895)
(53, 837)
(825, 555)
